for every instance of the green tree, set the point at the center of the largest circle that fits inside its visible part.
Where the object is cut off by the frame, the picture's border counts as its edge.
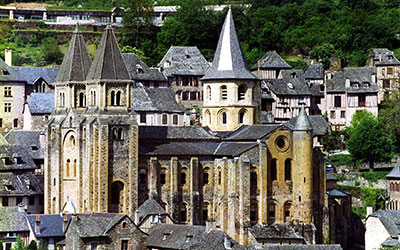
(51, 52)
(369, 142)
(333, 140)
(389, 116)
(42, 245)
(19, 245)
(32, 245)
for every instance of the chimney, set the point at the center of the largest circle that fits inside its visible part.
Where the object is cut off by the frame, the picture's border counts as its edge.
(37, 224)
(8, 56)
(227, 243)
(380, 56)
(137, 217)
(65, 222)
(370, 210)
(347, 84)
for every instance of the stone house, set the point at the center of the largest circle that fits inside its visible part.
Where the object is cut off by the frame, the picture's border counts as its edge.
(142, 74)
(37, 110)
(290, 93)
(387, 71)
(103, 231)
(314, 76)
(394, 188)
(12, 224)
(270, 66)
(149, 214)
(184, 66)
(348, 91)
(37, 80)
(382, 229)
(275, 234)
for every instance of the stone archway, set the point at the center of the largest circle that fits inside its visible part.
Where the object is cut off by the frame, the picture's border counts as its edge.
(116, 197)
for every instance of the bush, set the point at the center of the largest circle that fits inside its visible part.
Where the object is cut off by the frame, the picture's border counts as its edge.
(374, 176)
(340, 160)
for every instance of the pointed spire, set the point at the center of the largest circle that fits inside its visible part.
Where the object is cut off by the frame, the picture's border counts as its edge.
(76, 63)
(302, 122)
(229, 61)
(108, 63)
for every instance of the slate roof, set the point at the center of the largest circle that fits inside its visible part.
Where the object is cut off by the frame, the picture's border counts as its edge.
(336, 83)
(164, 100)
(274, 231)
(13, 184)
(302, 121)
(252, 132)
(337, 193)
(390, 220)
(29, 140)
(291, 247)
(184, 60)
(7, 73)
(315, 72)
(31, 74)
(174, 236)
(41, 103)
(360, 75)
(11, 220)
(150, 207)
(174, 133)
(141, 100)
(178, 148)
(318, 124)
(317, 90)
(76, 62)
(108, 64)
(134, 64)
(292, 83)
(96, 224)
(229, 61)
(12, 151)
(51, 225)
(394, 173)
(387, 57)
(271, 60)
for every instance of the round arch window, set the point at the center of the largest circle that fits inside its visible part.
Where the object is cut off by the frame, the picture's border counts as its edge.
(282, 143)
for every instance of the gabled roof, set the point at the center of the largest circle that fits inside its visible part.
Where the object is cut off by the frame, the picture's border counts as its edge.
(11, 220)
(337, 193)
(385, 57)
(150, 207)
(394, 173)
(12, 151)
(252, 132)
(138, 70)
(108, 64)
(31, 74)
(229, 61)
(274, 231)
(41, 103)
(271, 60)
(314, 72)
(28, 139)
(184, 60)
(292, 83)
(7, 73)
(16, 184)
(336, 83)
(360, 75)
(95, 225)
(174, 133)
(76, 62)
(51, 225)
(390, 220)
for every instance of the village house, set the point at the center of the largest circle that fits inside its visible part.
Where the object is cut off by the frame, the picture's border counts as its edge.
(149, 214)
(314, 76)
(382, 229)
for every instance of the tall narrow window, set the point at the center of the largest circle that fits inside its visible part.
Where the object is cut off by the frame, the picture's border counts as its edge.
(224, 93)
(253, 181)
(204, 212)
(288, 170)
(287, 211)
(74, 170)
(16, 123)
(208, 93)
(224, 118)
(241, 92)
(82, 101)
(242, 114)
(175, 119)
(164, 119)
(113, 98)
(183, 213)
(271, 212)
(118, 98)
(254, 212)
(219, 177)
(124, 244)
(273, 169)
(67, 166)
(163, 176)
(206, 176)
(7, 107)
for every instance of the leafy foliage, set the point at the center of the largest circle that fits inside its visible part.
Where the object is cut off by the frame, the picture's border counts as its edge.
(389, 116)
(374, 176)
(340, 160)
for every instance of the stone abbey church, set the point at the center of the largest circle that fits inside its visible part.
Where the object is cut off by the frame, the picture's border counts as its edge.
(231, 171)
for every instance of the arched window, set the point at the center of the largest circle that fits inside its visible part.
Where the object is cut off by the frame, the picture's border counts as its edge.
(116, 196)
(163, 176)
(82, 100)
(183, 176)
(224, 93)
(219, 176)
(16, 123)
(114, 133)
(183, 213)
(67, 168)
(206, 176)
(242, 115)
(241, 92)
(112, 98)
(288, 170)
(120, 134)
(273, 170)
(118, 98)
(271, 212)
(207, 117)
(208, 93)
(253, 181)
(223, 117)
(74, 169)
(287, 211)
(204, 212)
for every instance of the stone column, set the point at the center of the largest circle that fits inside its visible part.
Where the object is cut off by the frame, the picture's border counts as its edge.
(154, 176)
(263, 184)
(174, 203)
(195, 206)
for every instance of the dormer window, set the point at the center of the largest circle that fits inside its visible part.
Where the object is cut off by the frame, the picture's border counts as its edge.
(5, 72)
(290, 85)
(355, 85)
(9, 187)
(321, 87)
(390, 57)
(366, 85)
(294, 75)
(187, 56)
(167, 64)
(139, 69)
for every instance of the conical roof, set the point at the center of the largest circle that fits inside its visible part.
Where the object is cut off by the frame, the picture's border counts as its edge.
(108, 63)
(302, 122)
(229, 61)
(76, 63)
